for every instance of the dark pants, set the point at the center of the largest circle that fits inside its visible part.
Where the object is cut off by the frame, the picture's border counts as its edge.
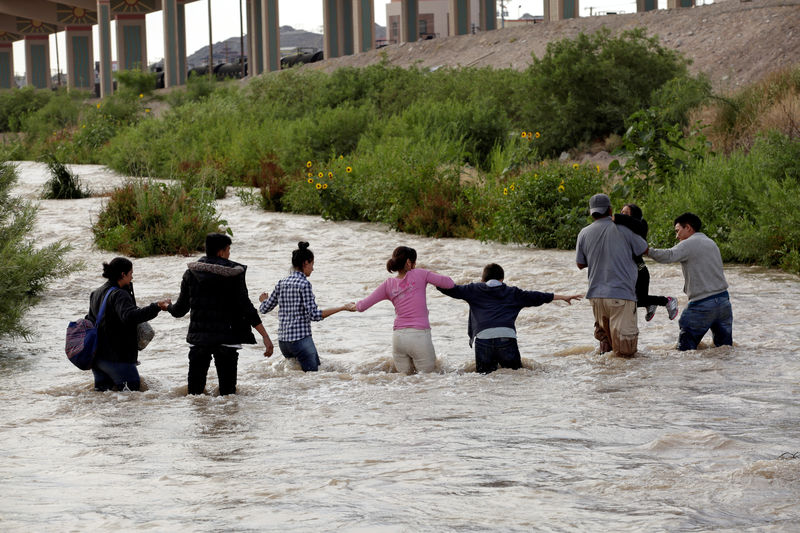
(225, 359)
(489, 353)
(698, 317)
(109, 375)
(304, 350)
(643, 298)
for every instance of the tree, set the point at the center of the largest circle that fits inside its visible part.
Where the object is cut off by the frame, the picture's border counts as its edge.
(26, 270)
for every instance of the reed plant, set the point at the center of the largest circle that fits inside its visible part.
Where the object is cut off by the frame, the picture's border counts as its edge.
(63, 183)
(146, 218)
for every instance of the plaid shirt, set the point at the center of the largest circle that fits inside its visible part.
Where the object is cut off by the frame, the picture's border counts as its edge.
(297, 307)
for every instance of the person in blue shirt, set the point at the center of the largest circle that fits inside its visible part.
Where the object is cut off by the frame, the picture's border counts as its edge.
(493, 310)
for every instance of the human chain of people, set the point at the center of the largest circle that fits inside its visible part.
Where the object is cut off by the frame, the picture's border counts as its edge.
(214, 293)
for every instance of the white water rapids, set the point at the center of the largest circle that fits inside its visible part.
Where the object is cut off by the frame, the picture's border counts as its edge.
(666, 441)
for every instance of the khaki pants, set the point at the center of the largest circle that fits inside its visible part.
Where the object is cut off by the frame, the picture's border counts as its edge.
(412, 350)
(615, 325)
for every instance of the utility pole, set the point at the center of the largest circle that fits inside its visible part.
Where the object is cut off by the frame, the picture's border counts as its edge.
(241, 39)
(502, 14)
(210, 44)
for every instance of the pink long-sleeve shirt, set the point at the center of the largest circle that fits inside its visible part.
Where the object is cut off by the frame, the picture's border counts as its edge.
(408, 297)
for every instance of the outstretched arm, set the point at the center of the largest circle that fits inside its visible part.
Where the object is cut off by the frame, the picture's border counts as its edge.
(567, 298)
(333, 310)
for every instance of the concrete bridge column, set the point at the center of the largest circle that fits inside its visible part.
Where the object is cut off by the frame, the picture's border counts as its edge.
(488, 15)
(271, 34)
(409, 21)
(646, 5)
(132, 42)
(459, 17)
(677, 4)
(561, 9)
(255, 38)
(171, 52)
(364, 14)
(104, 31)
(37, 61)
(80, 57)
(182, 68)
(7, 66)
(338, 33)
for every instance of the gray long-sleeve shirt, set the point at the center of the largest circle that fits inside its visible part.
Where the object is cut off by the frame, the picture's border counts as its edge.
(701, 263)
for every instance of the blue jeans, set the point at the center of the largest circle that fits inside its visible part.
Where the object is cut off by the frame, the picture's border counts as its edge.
(110, 375)
(304, 350)
(698, 317)
(492, 352)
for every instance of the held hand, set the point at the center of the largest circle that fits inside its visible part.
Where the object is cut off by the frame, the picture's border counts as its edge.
(269, 347)
(263, 296)
(350, 307)
(163, 304)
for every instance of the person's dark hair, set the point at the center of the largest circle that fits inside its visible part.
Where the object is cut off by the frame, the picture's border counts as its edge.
(400, 255)
(215, 242)
(118, 266)
(636, 211)
(689, 219)
(301, 255)
(598, 216)
(492, 271)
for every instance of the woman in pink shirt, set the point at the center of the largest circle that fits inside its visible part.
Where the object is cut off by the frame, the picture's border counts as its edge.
(412, 347)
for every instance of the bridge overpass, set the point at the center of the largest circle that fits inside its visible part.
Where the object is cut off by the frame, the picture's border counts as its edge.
(348, 27)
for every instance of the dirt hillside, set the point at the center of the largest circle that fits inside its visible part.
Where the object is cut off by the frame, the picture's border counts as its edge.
(735, 43)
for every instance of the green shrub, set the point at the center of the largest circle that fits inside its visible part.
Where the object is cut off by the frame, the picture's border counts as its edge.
(136, 82)
(16, 104)
(545, 207)
(149, 218)
(26, 269)
(584, 88)
(747, 201)
(63, 183)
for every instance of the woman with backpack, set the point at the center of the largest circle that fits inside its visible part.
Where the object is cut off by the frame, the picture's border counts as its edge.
(114, 365)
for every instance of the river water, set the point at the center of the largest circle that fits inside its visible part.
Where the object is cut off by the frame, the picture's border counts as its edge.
(667, 441)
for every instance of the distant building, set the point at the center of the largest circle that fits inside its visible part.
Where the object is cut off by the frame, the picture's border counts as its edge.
(433, 21)
(524, 20)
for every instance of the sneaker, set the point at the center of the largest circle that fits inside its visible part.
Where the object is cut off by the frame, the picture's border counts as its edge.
(672, 307)
(651, 311)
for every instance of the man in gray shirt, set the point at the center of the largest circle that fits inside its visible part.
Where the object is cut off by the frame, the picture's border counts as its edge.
(704, 283)
(608, 250)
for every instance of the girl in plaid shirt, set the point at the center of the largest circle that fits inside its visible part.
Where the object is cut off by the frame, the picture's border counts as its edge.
(298, 308)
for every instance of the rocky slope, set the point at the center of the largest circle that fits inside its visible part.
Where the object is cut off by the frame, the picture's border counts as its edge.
(735, 43)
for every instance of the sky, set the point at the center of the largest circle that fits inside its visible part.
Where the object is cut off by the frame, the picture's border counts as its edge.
(300, 14)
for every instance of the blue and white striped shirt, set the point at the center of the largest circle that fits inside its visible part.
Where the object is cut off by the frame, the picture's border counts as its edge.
(297, 307)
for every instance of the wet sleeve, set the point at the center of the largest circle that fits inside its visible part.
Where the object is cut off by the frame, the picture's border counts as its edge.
(377, 295)
(127, 311)
(438, 280)
(459, 292)
(310, 303)
(270, 303)
(676, 254)
(533, 298)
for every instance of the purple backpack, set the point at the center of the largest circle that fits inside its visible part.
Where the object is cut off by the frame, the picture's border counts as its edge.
(81, 342)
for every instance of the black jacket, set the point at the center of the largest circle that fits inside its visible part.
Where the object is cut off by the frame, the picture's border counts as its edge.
(636, 225)
(117, 337)
(215, 291)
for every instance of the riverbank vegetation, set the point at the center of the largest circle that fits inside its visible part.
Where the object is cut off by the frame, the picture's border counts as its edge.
(480, 153)
(26, 269)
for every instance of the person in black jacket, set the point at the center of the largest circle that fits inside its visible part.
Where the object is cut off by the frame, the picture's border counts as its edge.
(631, 218)
(214, 290)
(114, 365)
(493, 310)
